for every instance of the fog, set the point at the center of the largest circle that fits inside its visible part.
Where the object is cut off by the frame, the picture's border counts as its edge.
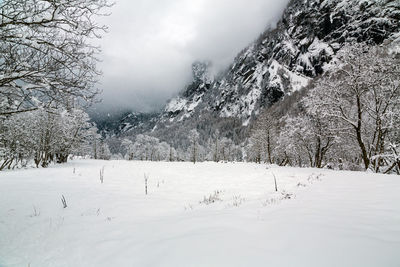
(151, 44)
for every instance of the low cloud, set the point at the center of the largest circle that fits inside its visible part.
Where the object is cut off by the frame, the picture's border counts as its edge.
(151, 44)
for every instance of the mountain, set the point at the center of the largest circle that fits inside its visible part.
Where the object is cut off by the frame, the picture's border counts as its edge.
(281, 61)
(126, 122)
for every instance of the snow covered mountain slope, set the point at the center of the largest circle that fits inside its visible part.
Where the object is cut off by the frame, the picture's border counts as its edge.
(284, 59)
(183, 106)
(206, 214)
(119, 123)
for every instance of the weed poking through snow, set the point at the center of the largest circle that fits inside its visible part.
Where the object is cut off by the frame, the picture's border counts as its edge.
(237, 200)
(276, 183)
(64, 202)
(301, 185)
(189, 207)
(314, 177)
(102, 175)
(276, 200)
(212, 198)
(146, 179)
(287, 195)
(35, 213)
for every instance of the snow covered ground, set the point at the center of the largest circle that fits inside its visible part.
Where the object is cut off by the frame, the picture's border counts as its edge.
(207, 214)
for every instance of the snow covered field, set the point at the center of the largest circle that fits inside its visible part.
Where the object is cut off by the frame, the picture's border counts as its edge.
(207, 214)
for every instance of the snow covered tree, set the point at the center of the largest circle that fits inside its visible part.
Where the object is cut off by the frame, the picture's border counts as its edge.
(89, 147)
(306, 138)
(147, 147)
(151, 147)
(216, 137)
(255, 147)
(267, 124)
(140, 147)
(172, 154)
(44, 135)
(129, 148)
(364, 94)
(194, 139)
(46, 56)
(104, 151)
(226, 149)
(262, 139)
(163, 151)
(17, 140)
(75, 131)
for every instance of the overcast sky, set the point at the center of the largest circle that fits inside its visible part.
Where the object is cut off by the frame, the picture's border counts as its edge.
(148, 51)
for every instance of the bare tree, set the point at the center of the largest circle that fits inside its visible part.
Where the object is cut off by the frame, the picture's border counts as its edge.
(129, 147)
(47, 55)
(44, 136)
(194, 138)
(264, 135)
(306, 138)
(216, 146)
(363, 93)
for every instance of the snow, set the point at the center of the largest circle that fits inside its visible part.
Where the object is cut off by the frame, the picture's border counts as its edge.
(184, 106)
(246, 104)
(176, 104)
(297, 81)
(244, 107)
(196, 101)
(318, 217)
(288, 44)
(317, 47)
(275, 79)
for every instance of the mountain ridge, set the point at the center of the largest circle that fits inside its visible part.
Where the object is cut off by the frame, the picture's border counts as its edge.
(281, 61)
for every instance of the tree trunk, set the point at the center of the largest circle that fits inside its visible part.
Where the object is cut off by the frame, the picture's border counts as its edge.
(364, 152)
(269, 147)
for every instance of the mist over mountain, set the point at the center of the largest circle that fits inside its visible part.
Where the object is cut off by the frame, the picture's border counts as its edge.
(150, 45)
(280, 62)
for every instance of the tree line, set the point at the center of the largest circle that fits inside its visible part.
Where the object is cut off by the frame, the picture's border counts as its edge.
(149, 148)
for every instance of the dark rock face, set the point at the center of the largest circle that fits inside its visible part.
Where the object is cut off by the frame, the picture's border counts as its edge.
(132, 122)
